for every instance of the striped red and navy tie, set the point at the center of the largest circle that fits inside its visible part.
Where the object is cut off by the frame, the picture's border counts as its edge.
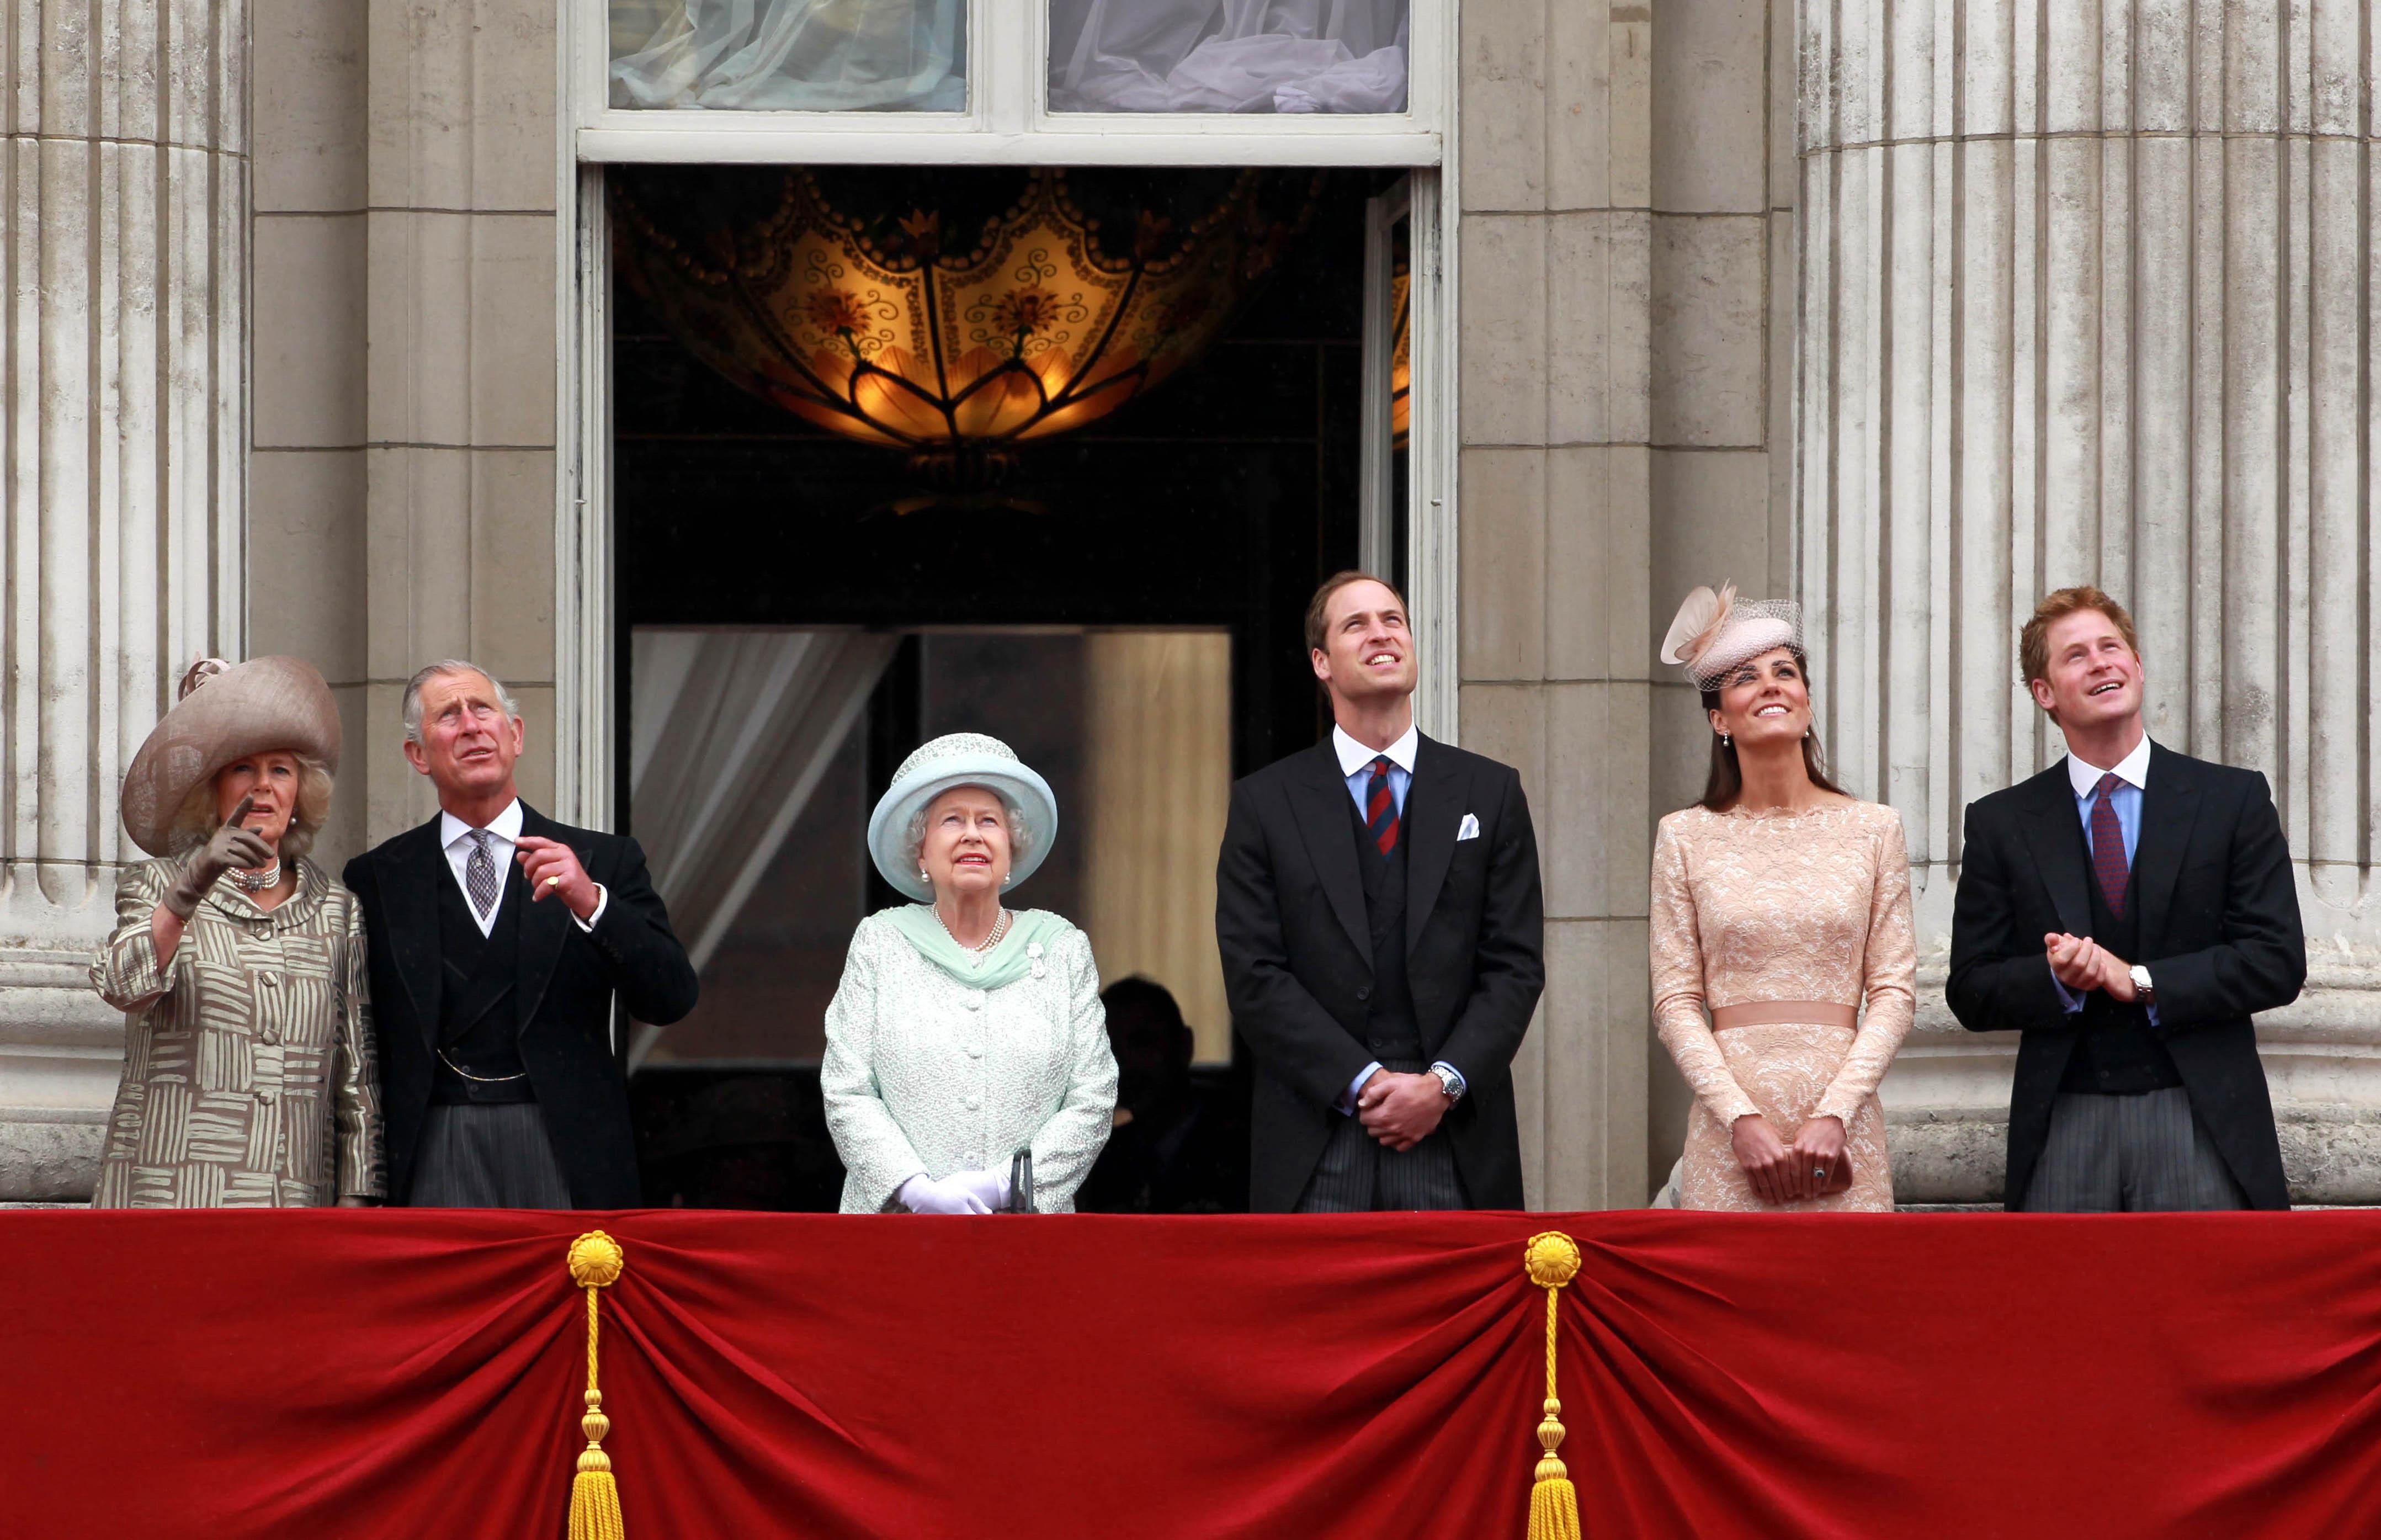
(2108, 863)
(1381, 808)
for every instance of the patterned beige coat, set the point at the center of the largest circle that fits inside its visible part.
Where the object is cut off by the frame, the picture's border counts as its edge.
(248, 1072)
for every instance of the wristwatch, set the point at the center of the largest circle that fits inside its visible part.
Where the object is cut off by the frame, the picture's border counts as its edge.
(1448, 1081)
(2144, 992)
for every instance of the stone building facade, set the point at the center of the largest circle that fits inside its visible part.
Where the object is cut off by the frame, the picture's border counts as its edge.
(1909, 311)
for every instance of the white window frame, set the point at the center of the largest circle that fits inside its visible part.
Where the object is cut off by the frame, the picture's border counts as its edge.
(1007, 122)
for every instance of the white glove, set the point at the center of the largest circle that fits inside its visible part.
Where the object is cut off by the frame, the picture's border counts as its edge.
(990, 1189)
(923, 1194)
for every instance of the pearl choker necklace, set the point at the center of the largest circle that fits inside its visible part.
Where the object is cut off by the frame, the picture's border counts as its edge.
(261, 881)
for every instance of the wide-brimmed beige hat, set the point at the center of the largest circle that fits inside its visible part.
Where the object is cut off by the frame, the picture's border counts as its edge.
(227, 713)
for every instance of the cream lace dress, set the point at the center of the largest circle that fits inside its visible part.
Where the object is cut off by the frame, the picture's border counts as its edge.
(1751, 907)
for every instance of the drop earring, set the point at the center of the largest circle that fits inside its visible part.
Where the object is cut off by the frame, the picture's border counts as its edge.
(1726, 742)
(923, 878)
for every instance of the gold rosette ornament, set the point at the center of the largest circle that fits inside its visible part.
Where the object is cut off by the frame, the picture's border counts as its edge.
(595, 1261)
(1551, 1262)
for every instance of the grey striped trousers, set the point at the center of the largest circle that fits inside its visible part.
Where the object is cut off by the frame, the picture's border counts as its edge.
(1358, 1174)
(2129, 1155)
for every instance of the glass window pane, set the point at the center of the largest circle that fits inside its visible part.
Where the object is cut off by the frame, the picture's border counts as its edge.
(1228, 55)
(790, 55)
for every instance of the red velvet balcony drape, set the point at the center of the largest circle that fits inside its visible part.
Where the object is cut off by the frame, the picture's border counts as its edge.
(416, 1374)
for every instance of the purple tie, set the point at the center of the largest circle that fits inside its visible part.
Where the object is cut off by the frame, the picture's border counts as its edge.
(2109, 847)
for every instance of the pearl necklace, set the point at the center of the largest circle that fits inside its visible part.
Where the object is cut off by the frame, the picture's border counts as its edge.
(263, 880)
(999, 929)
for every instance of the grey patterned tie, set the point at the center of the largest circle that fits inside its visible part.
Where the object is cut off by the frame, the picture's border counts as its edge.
(480, 875)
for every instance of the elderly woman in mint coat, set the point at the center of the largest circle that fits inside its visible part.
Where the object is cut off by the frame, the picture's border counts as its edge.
(965, 1032)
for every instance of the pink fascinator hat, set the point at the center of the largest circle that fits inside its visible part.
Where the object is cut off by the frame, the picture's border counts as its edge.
(1715, 632)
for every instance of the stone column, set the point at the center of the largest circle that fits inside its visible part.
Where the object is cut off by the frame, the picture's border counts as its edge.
(122, 380)
(2086, 294)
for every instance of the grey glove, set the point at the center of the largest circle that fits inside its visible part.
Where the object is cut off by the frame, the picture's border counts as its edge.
(231, 846)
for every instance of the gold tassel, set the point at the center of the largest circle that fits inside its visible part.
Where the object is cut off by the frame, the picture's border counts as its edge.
(1552, 1261)
(595, 1262)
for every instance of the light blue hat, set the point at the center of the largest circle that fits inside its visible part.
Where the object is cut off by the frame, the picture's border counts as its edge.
(941, 764)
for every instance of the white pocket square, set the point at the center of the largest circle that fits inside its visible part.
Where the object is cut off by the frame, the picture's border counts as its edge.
(1468, 828)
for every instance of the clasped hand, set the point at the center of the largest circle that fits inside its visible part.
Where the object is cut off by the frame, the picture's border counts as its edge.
(1400, 1110)
(960, 1192)
(2083, 965)
(1783, 1173)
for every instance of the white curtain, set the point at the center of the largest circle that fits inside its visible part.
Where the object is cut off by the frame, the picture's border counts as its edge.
(798, 56)
(1228, 55)
(729, 732)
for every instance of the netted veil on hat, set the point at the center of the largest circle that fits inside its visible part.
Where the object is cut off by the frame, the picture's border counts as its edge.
(1715, 632)
(939, 765)
(227, 712)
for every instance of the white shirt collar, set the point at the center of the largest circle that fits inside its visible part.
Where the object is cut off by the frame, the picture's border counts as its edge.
(2133, 770)
(505, 826)
(1354, 756)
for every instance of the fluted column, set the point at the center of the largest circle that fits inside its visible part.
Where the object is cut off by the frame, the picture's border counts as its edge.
(2086, 295)
(121, 370)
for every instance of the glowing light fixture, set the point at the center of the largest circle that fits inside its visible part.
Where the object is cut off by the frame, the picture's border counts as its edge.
(909, 309)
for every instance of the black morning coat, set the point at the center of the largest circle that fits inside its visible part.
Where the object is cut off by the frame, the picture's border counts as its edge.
(2218, 917)
(1297, 954)
(567, 980)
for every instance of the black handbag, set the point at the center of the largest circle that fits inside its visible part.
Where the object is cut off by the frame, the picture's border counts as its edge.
(1020, 1183)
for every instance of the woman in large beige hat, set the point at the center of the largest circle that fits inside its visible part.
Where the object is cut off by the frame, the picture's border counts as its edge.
(249, 1078)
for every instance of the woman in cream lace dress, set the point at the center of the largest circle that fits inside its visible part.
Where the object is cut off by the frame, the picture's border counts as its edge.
(1780, 906)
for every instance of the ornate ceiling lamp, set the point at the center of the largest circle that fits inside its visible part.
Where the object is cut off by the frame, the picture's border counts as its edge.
(953, 316)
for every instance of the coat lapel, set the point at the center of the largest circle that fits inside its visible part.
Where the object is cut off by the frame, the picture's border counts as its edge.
(545, 927)
(1434, 812)
(1320, 799)
(2170, 809)
(414, 878)
(2057, 846)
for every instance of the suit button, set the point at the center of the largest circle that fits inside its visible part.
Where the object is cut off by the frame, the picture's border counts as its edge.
(269, 1036)
(265, 1095)
(974, 1001)
(974, 1102)
(975, 1050)
(1366, 992)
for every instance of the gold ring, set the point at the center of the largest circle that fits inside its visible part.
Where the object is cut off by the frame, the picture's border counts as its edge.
(554, 882)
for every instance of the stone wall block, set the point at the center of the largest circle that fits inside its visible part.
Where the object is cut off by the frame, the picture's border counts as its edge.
(1504, 564)
(1578, 106)
(1594, 846)
(1599, 361)
(512, 562)
(1503, 104)
(1709, 303)
(1594, 1133)
(310, 97)
(306, 559)
(309, 339)
(1502, 350)
(1709, 109)
(1598, 536)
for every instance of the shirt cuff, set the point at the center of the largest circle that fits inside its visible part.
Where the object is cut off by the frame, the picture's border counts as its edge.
(2071, 1000)
(588, 924)
(1355, 1087)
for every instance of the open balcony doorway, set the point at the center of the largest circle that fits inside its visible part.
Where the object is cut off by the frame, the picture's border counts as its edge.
(795, 609)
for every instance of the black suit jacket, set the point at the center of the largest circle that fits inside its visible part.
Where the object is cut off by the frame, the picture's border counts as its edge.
(1297, 954)
(2218, 915)
(567, 978)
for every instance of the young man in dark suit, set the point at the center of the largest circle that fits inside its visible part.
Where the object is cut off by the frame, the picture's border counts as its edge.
(1378, 909)
(498, 938)
(2127, 911)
